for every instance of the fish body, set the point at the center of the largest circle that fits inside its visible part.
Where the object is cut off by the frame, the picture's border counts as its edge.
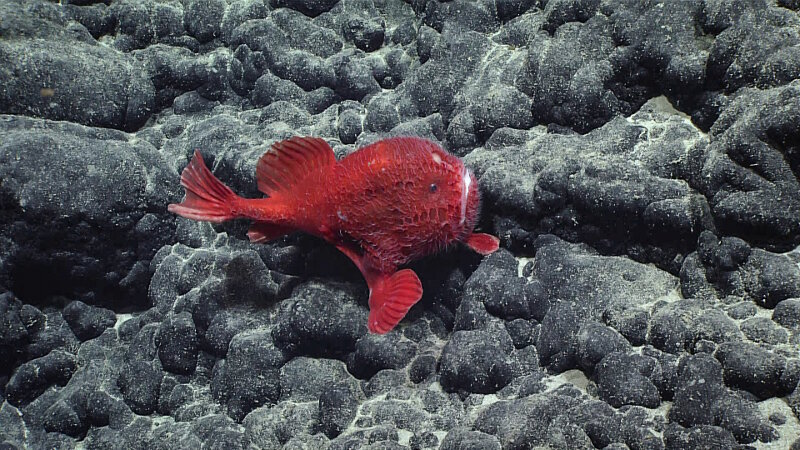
(383, 206)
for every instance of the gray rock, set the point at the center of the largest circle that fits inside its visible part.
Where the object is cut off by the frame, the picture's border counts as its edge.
(337, 409)
(70, 94)
(463, 439)
(273, 426)
(13, 333)
(738, 50)
(525, 421)
(761, 206)
(374, 353)
(89, 258)
(496, 285)
(628, 380)
(756, 370)
(771, 278)
(33, 377)
(787, 313)
(366, 35)
(138, 382)
(202, 18)
(680, 325)
(764, 330)
(475, 361)
(595, 341)
(697, 438)
(319, 320)
(249, 376)
(305, 379)
(311, 8)
(87, 322)
(177, 344)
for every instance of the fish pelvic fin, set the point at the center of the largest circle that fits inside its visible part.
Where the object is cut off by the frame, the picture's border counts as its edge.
(290, 162)
(207, 199)
(391, 296)
(483, 243)
(261, 232)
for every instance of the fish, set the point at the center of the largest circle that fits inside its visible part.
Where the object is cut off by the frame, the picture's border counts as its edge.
(384, 205)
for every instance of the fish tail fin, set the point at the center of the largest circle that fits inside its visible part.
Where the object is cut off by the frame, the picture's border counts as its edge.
(207, 199)
(390, 299)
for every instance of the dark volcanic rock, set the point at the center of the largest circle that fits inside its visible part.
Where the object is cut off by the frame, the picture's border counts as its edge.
(700, 385)
(762, 329)
(33, 377)
(461, 438)
(374, 353)
(273, 426)
(250, 375)
(566, 75)
(597, 287)
(319, 320)
(633, 152)
(595, 341)
(311, 8)
(697, 438)
(739, 56)
(98, 237)
(497, 287)
(787, 313)
(69, 94)
(628, 380)
(476, 361)
(554, 179)
(702, 399)
(177, 344)
(305, 379)
(13, 333)
(774, 278)
(523, 422)
(139, 382)
(680, 325)
(337, 409)
(87, 322)
(47, 332)
(755, 131)
(202, 18)
(757, 370)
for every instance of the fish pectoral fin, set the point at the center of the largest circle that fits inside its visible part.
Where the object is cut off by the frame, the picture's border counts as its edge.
(261, 232)
(391, 296)
(289, 162)
(483, 243)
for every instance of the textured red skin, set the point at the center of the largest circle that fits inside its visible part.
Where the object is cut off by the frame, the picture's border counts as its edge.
(379, 200)
(385, 205)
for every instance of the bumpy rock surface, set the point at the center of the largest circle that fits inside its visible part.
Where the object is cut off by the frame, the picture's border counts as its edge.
(638, 160)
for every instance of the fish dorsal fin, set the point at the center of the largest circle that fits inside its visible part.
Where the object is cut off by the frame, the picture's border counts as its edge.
(289, 162)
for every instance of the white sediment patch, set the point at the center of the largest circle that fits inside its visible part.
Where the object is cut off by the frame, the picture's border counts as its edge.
(521, 263)
(122, 318)
(788, 432)
(574, 377)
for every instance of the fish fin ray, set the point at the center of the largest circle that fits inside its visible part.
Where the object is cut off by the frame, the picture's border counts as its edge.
(288, 163)
(207, 199)
(390, 299)
(483, 243)
(261, 232)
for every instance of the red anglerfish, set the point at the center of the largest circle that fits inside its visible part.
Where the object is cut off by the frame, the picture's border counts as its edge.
(383, 206)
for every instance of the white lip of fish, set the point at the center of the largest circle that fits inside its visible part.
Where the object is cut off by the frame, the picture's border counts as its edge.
(466, 181)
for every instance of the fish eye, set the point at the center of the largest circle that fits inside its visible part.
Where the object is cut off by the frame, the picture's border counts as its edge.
(433, 187)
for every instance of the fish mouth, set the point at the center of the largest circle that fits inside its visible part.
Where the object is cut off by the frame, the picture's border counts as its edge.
(466, 183)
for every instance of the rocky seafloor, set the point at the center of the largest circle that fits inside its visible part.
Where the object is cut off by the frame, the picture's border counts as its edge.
(638, 159)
